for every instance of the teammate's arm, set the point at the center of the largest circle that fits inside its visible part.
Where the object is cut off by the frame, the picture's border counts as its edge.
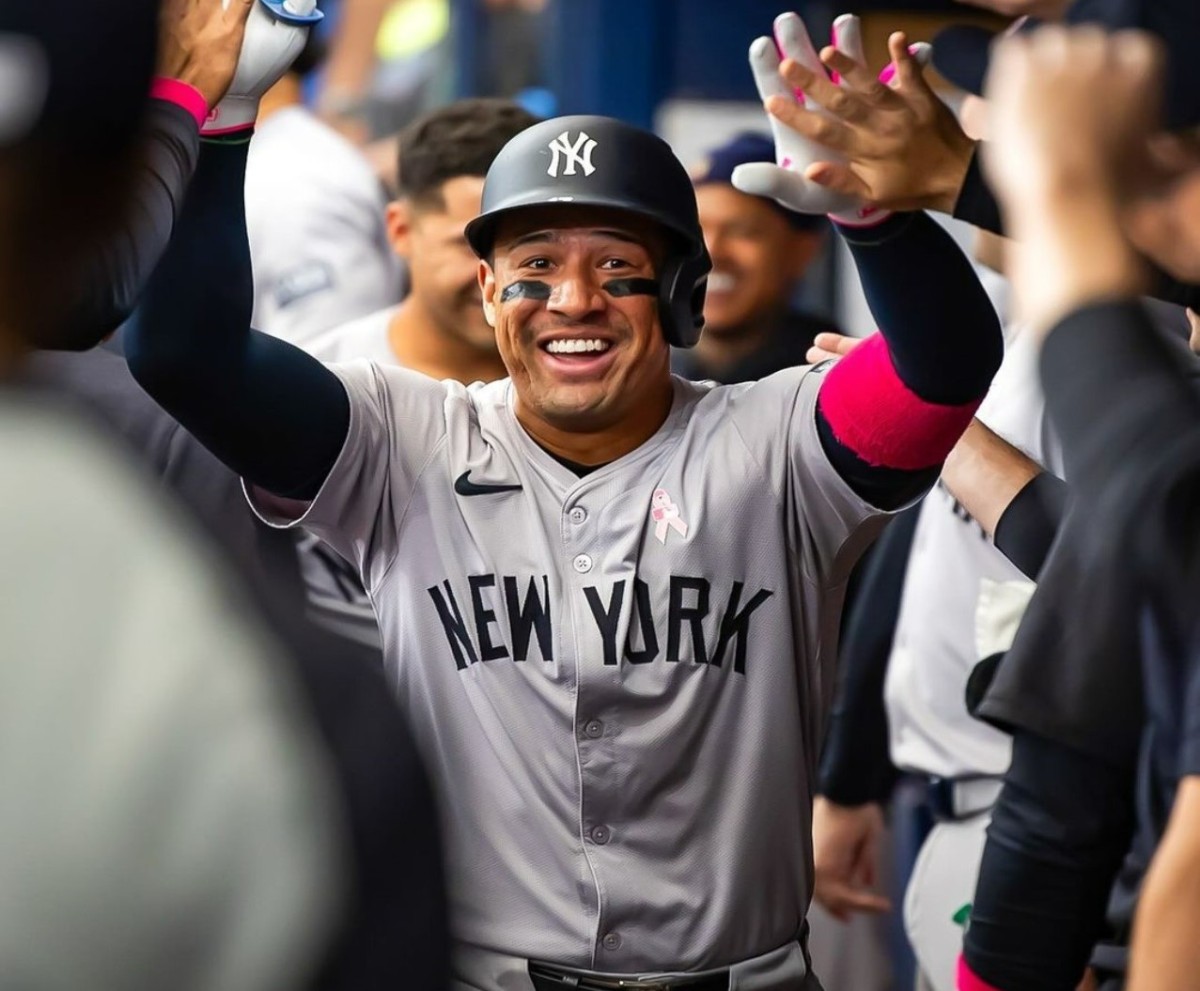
(1166, 953)
(890, 411)
(856, 773)
(120, 267)
(1059, 832)
(198, 54)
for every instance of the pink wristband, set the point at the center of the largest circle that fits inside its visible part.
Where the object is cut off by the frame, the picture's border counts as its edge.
(967, 980)
(182, 95)
(872, 412)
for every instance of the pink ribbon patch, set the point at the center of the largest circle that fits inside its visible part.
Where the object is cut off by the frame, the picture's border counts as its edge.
(666, 516)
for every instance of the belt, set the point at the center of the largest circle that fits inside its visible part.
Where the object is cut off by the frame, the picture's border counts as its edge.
(954, 799)
(551, 977)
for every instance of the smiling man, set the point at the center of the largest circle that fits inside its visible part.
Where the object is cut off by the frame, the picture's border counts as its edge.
(760, 252)
(608, 596)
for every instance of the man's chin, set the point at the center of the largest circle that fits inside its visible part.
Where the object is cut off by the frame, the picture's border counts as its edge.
(722, 326)
(572, 407)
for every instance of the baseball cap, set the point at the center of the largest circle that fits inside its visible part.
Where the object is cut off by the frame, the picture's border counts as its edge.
(748, 146)
(75, 73)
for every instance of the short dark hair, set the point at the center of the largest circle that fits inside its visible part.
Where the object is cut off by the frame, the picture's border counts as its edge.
(460, 139)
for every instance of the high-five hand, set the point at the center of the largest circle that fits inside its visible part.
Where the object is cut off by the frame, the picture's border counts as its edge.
(275, 34)
(887, 142)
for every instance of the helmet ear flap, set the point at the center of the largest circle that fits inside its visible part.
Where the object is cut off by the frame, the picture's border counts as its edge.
(682, 288)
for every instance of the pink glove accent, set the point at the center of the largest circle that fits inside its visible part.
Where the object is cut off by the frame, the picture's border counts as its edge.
(873, 413)
(182, 95)
(212, 129)
(967, 981)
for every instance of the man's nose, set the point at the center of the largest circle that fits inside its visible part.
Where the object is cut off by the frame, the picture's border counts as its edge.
(577, 296)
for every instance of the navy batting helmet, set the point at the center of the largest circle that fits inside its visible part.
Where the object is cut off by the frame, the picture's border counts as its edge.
(598, 161)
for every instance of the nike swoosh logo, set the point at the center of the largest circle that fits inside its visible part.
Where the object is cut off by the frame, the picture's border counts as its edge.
(465, 487)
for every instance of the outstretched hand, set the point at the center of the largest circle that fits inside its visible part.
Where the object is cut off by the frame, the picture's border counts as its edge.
(786, 182)
(200, 42)
(893, 144)
(829, 346)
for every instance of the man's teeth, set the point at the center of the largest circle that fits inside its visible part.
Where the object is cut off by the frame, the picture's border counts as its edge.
(577, 347)
(721, 282)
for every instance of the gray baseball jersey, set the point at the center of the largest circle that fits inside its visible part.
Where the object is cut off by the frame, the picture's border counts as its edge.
(619, 681)
(315, 219)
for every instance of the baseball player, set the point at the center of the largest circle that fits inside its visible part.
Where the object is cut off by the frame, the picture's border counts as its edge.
(608, 596)
(761, 252)
(439, 329)
(315, 213)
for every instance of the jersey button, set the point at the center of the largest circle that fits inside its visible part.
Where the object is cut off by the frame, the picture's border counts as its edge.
(582, 564)
(611, 941)
(593, 729)
(600, 835)
(577, 515)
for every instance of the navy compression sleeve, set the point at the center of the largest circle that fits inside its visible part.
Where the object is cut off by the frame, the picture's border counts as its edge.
(1058, 834)
(856, 767)
(268, 410)
(1030, 523)
(892, 409)
(118, 269)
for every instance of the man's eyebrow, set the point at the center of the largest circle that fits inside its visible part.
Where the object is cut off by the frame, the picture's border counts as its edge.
(552, 236)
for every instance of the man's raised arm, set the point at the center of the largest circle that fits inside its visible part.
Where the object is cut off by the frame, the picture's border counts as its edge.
(889, 413)
(268, 410)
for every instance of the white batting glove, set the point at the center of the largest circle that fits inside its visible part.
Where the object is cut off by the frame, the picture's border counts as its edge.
(785, 182)
(275, 34)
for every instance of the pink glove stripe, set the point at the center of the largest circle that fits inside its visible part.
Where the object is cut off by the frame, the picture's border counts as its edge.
(212, 132)
(967, 979)
(873, 413)
(182, 95)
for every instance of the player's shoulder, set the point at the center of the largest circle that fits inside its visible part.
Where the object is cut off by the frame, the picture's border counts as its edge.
(715, 399)
(405, 394)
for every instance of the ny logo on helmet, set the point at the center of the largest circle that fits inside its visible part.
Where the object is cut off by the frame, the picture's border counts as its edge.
(579, 153)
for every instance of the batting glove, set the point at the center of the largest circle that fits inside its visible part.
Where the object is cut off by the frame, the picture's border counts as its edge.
(275, 34)
(785, 182)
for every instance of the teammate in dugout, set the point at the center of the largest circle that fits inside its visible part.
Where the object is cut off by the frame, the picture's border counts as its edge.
(608, 597)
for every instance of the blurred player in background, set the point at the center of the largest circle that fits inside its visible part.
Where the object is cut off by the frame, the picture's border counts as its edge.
(161, 781)
(315, 212)
(760, 252)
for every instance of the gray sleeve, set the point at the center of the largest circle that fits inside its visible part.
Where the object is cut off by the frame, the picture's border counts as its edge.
(832, 525)
(397, 425)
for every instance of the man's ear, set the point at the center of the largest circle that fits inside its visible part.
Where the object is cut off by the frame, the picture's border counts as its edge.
(487, 285)
(399, 220)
